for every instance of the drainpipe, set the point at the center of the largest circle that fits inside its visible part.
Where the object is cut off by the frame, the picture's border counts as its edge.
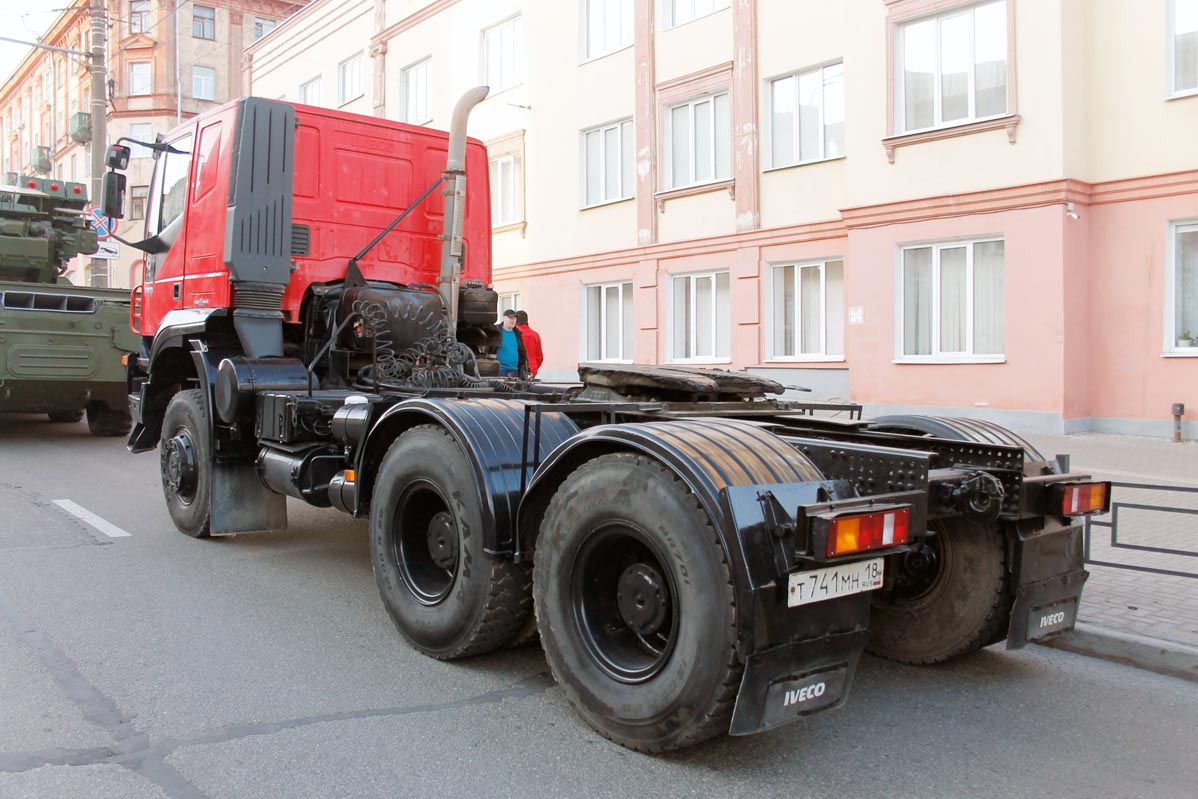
(455, 204)
(178, 84)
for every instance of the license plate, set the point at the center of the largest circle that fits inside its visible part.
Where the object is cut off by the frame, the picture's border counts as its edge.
(835, 581)
(1054, 618)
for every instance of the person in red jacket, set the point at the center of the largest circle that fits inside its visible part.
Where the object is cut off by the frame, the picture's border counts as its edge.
(532, 343)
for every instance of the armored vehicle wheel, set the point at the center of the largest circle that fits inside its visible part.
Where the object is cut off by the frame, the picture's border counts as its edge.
(105, 421)
(950, 598)
(65, 417)
(446, 596)
(186, 463)
(635, 605)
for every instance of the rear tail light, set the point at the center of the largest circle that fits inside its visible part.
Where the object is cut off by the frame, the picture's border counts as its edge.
(1082, 498)
(858, 532)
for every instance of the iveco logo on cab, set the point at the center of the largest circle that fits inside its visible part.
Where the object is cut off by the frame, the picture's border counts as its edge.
(1051, 619)
(803, 694)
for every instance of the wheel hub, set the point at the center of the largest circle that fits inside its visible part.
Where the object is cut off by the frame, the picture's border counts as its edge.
(920, 562)
(443, 540)
(644, 606)
(181, 467)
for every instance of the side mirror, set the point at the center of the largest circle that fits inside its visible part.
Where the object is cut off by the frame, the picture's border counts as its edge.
(118, 157)
(114, 193)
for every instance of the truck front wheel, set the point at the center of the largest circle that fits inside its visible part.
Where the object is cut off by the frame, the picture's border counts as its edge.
(105, 421)
(951, 596)
(444, 593)
(186, 463)
(635, 605)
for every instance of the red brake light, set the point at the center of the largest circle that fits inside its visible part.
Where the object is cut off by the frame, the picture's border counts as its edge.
(32, 184)
(77, 190)
(1083, 498)
(859, 532)
(53, 187)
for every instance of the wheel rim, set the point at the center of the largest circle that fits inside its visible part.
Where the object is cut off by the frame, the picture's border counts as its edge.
(425, 543)
(923, 572)
(625, 604)
(181, 470)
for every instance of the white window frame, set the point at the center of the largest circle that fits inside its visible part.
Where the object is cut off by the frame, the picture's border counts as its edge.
(203, 23)
(136, 132)
(668, 148)
(823, 135)
(900, 121)
(349, 79)
(622, 287)
(306, 87)
(672, 343)
(1171, 61)
(1171, 324)
(508, 301)
(149, 81)
(625, 30)
(689, 10)
(623, 192)
(936, 356)
(517, 77)
(517, 160)
(211, 81)
(773, 322)
(261, 23)
(139, 21)
(405, 90)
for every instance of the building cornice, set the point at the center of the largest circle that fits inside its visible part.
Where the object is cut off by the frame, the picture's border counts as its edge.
(412, 20)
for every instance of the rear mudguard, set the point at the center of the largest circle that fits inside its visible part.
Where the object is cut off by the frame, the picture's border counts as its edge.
(1047, 578)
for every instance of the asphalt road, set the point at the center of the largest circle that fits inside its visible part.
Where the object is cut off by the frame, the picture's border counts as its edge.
(154, 665)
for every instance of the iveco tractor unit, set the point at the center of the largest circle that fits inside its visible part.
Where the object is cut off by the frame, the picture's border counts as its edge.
(698, 555)
(61, 346)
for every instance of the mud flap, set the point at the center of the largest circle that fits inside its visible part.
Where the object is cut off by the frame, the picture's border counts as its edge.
(787, 682)
(241, 503)
(1050, 578)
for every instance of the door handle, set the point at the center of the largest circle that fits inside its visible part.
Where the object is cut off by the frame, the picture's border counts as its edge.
(177, 290)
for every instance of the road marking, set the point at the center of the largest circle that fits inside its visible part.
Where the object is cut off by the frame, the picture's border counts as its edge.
(108, 529)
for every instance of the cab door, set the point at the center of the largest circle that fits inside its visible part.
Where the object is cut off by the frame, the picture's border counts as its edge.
(162, 278)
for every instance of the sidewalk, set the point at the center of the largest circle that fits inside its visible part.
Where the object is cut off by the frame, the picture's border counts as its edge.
(1142, 618)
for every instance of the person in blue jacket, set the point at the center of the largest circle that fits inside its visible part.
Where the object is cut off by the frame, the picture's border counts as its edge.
(513, 360)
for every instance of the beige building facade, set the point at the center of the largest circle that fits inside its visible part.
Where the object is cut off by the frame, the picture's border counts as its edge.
(980, 208)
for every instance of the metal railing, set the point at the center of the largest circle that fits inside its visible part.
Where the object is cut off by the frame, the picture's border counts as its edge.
(1187, 526)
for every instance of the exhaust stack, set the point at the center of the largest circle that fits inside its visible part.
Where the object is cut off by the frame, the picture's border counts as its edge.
(455, 204)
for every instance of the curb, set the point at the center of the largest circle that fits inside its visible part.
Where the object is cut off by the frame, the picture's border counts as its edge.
(1142, 652)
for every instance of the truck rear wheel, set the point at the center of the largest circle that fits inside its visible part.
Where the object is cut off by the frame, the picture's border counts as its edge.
(444, 593)
(105, 421)
(635, 605)
(950, 598)
(65, 417)
(186, 463)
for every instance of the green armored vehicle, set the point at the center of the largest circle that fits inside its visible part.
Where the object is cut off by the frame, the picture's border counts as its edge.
(61, 346)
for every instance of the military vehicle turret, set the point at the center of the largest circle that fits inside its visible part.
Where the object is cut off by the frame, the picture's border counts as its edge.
(61, 346)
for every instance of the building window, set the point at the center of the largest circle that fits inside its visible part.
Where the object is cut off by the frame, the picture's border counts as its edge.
(140, 81)
(263, 27)
(507, 190)
(137, 201)
(698, 135)
(607, 163)
(141, 131)
(606, 27)
(807, 315)
(608, 322)
(951, 68)
(139, 16)
(1183, 46)
(503, 55)
(203, 83)
(679, 12)
(203, 22)
(508, 302)
(951, 300)
(310, 92)
(1181, 308)
(701, 311)
(807, 116)
(416, 85)
(349, 79)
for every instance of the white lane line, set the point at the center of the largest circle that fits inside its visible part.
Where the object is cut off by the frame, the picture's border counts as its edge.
(107, 528)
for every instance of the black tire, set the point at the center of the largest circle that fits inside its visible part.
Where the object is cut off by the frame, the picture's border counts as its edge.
(105, 421)
(65, 417)
(451, 600)
(958, 604)
(623, 528)
(186, 463)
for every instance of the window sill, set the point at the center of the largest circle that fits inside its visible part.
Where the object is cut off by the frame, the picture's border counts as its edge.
(496, 92)
(676, 25)
(1008, 122)
(1181, 95)
(699, 361)
(344, 103)
(605, 203)
(600, 57)
(950, 360)
(1181, 353)
(804, 163)
(510, 226)
(806, 359)
(625, 361)
(691, 191)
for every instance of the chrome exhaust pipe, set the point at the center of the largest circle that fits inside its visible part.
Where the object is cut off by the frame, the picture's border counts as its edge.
(455, 204)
